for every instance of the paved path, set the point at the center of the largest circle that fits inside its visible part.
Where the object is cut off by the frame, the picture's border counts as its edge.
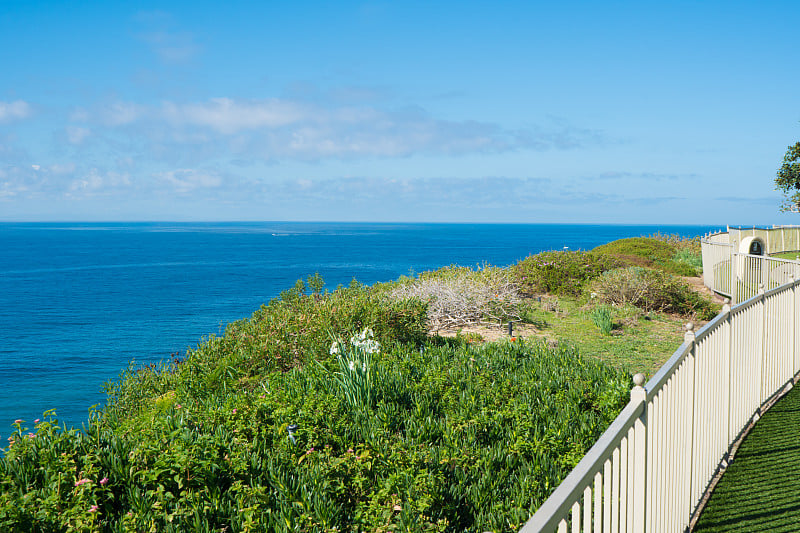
(761, 489)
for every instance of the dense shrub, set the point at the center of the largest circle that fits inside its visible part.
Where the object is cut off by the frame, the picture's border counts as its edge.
(651, 290)
(459, 438)
(560, 272)
(665, 252)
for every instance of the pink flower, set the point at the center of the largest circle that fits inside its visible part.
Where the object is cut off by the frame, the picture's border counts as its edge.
(18, 421)
(31, 435)
(36, 421)
(104, 481)
(349, 450)
(82, 481)
(93, 509)
(310, 450)
(234, 411)
(177, 406)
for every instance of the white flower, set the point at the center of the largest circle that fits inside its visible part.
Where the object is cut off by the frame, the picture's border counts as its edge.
(363, 367)
(352, 365)
(335, 348)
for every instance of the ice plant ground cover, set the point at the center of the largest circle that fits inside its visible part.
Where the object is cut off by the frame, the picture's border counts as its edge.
(257, 429)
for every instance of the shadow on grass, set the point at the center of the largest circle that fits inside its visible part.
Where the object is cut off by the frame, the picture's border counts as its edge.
(760, 491)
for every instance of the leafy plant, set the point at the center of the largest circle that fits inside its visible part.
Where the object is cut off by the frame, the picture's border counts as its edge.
(651, 290)
(355, 375)
(601, 316)
(560, 272)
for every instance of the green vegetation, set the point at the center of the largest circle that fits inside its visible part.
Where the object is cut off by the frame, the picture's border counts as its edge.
(338, 411)
(759, 489)
(664, 252)
(787, 179)
(787, 255)
(601, 316)
(651, 290)
(560, 273)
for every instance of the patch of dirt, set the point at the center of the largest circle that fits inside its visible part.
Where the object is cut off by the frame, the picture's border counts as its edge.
(696, 283)
(493, 333)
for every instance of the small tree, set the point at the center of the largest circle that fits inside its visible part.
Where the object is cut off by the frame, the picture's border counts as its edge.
(788, 179)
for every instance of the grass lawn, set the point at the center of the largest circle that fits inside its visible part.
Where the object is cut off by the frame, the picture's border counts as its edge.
(639, 341)
(787, 255)
(759, 491)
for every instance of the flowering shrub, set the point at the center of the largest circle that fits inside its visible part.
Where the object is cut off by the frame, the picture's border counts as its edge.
(354, 378)
(560, 272)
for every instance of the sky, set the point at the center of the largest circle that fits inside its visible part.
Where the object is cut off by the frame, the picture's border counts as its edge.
(530, 112)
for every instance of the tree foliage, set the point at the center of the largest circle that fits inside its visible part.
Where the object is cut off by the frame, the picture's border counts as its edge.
(788, 179)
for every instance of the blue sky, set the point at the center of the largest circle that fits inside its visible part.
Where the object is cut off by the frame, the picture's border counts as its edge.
(588, 112)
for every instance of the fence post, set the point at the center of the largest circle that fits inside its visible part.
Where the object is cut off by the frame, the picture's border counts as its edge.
(734, 277)
(726, 308)
(638, 393)
(763, 304)
(690, 338)
(792, 328)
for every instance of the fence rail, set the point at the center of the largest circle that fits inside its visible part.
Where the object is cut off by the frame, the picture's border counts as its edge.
(652, 466)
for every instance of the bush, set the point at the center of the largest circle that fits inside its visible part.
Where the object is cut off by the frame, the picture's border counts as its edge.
(664, 252)
(460, 296)
(651, 290)
(560, 272)
(456, 438)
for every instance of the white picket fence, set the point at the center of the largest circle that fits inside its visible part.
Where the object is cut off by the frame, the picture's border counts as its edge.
(738, 275)
(652, 466)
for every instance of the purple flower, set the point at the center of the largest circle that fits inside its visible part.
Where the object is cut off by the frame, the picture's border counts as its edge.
(93, 509)
(104, 481)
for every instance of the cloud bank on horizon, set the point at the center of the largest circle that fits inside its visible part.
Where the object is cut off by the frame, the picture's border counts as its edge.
(512, 112)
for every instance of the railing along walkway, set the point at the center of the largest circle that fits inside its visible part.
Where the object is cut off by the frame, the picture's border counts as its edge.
(760, 490)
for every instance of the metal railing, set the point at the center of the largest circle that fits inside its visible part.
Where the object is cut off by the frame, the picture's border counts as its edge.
(652, 466)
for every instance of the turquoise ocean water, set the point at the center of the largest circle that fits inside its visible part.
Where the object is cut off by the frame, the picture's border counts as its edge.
(78, 302)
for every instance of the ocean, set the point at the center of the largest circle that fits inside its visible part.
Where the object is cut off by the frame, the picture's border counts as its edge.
(80, 302)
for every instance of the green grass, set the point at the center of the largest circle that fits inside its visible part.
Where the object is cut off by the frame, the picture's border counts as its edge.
(639, 342)
(759, 491)
(787, 255)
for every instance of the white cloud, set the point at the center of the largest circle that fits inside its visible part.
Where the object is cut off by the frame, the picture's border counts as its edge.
(18, 109)
(228, 116)
(185, 180)
(271, 129)
(76, 134)
(170, 45)
(96, 181)
(121, 113)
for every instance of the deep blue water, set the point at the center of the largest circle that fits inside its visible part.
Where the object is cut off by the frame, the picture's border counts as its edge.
(79, 301)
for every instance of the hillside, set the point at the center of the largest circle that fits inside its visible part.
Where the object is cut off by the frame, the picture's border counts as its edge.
(374, 408)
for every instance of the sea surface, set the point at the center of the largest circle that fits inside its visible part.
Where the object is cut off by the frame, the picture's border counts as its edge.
(80, 302)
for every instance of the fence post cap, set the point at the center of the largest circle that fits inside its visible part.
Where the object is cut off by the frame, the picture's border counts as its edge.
(761, 288)
(638, 394)
(689, 336)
